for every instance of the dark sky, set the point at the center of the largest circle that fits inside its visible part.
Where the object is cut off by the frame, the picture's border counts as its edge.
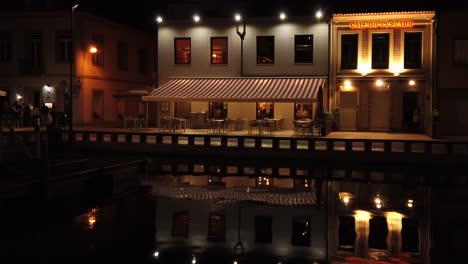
(142, 12)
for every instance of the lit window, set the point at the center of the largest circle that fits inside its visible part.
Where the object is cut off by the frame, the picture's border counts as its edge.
(219, 50)
(98, 57)
(182, 48)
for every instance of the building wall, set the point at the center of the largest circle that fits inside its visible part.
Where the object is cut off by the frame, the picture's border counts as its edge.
(452, 80)
(88, 77)
(109, 78)
(201, 33)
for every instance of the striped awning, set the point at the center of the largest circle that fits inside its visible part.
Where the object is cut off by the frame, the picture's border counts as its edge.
(238, 89)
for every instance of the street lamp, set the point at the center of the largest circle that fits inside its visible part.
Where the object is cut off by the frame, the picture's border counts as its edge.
(72, 62)
(241, 34)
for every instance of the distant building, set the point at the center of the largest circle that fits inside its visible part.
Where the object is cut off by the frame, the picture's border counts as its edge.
(382, 71)
(452, 77)
(35, 55)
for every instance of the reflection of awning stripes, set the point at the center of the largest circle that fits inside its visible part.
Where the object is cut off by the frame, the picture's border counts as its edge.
(238, 89)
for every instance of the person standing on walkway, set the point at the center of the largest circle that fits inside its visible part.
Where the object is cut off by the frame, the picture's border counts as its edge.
(17, 111)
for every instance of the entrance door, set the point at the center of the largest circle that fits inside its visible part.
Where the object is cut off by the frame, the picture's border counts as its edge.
(98, 106)
(348, 110)
(379, 110)
(411, 111)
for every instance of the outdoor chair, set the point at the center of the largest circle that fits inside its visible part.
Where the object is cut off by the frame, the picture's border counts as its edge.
(253, 127)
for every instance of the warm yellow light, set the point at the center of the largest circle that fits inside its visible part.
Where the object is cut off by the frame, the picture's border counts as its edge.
(214, 55)
(319, 14)
(306, 185)
(159, 19)
(410, 201)
(379, 83)
(282, 16)
(410, 205)
(377, 200)
(237, 17)
(364, 69)
(196, 18)
(346, 200)
(412, 82)
(156, 254)
(93, 49)
(18, 96)
(396, 74)
(362, 215)
(379, 206)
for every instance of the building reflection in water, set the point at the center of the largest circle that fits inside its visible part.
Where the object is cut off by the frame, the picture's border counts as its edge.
(289, 216)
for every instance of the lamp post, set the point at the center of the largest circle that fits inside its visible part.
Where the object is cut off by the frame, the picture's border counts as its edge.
(69, 109)
(241, 34)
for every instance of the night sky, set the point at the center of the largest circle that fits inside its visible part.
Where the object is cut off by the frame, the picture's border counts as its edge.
(141, 13)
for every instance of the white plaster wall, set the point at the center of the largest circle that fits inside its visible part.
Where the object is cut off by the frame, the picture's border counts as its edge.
(201, 33)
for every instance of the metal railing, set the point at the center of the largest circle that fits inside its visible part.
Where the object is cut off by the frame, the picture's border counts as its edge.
(308, 144)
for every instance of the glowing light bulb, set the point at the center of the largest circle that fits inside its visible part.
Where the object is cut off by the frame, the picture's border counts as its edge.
(319, 14)
(196, 18)
(282, 16)
(346, 200)
(237, 17)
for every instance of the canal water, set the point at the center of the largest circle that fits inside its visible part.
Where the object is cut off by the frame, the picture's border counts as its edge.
(169, 219)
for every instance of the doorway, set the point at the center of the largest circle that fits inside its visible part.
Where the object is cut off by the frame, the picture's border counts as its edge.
(98, 106)
(379, 110)
(348, 110)
(411, 111)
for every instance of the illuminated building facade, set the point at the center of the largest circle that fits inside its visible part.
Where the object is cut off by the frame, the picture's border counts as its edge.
(205, 67)
(381, 73)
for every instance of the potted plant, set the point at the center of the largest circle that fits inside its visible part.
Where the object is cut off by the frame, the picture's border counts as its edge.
(330, 122)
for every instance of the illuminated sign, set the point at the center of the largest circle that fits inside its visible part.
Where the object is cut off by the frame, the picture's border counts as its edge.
(382, 24)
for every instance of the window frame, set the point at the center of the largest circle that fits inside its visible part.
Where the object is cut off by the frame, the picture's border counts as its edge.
(6, 38)
(213, 236)
(175, 50)
(186, 231)
(296, 50)
(60, 36)
(420, 50)
(341, 50)
(122, 56)
(143, 63)
(389, 50)
(258, 48)
(295, 240)
(227, 51)
(258, 237)
(98, 57)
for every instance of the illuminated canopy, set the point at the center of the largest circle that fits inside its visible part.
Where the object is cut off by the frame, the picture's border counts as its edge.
(281, 89)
